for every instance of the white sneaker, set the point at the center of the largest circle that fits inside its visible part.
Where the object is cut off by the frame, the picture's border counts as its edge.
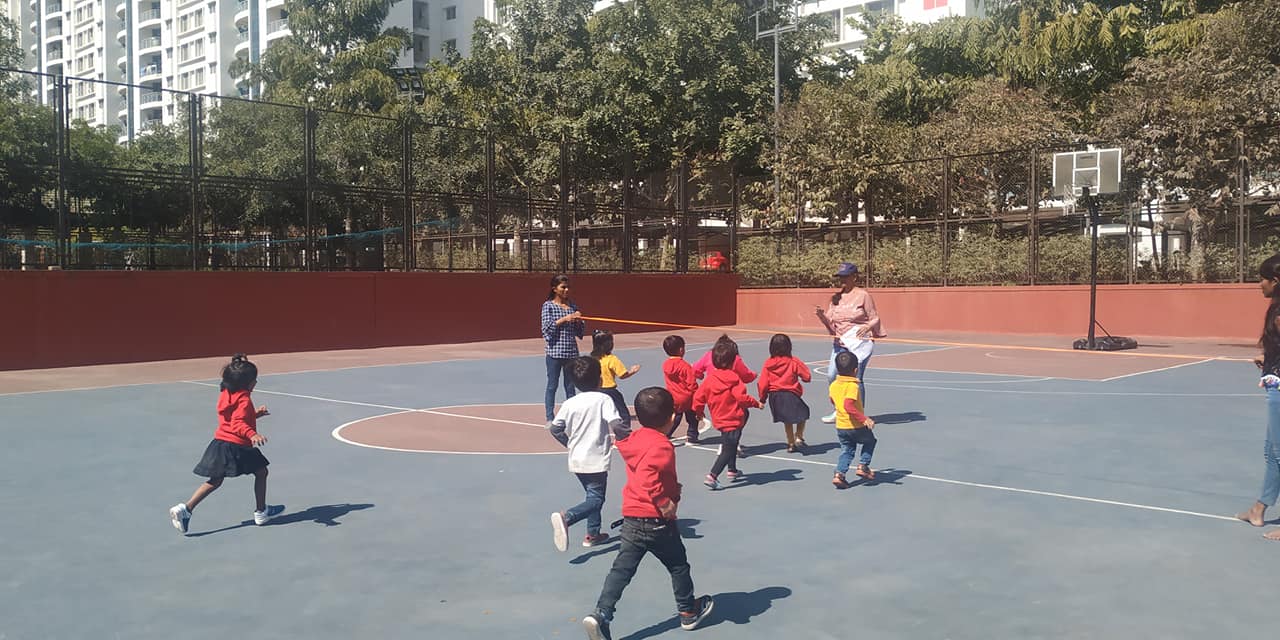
(262, 517)
(829, 419)
(181, 517)
(559, 532)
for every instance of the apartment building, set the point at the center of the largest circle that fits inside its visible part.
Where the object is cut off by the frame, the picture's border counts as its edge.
(838, 12)
(166, 47)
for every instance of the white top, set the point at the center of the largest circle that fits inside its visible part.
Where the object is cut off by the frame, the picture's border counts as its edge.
(586, 420)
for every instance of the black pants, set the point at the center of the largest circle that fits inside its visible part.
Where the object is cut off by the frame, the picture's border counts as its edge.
(641, 536)
(692, 419)
(728, 452)
(620, 403)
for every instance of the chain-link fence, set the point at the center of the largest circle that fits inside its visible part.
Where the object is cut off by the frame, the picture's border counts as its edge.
(188, 181)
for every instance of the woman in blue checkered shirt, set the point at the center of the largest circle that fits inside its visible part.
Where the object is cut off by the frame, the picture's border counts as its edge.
(562, 327)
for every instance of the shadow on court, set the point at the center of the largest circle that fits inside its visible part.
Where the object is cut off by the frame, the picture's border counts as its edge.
(752, 479)
(899, 418)
(883, 476)
(737, 607)
(326, 515)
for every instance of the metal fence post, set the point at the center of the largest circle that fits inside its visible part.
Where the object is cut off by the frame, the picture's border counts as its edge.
(682, 217)
(628, 242)
(733, 218)
(308, 180)
(869, 230)
(490, 168)
(1033, 210)
(1242, 217)
(406, 176)
(196, 154)
(62, 138)
(566, 220)
(946, 211)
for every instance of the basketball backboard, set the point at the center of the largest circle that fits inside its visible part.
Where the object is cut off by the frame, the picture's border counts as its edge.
(1098, 169)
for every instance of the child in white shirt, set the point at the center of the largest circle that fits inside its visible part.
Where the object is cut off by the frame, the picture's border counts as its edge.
(584, 425)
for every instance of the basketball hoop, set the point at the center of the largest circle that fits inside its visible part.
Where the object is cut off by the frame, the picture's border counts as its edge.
(1082, 176)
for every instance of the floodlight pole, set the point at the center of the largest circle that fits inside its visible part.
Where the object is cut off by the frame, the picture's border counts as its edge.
(777, 98)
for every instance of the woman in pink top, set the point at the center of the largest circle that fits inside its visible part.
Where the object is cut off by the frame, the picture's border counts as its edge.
(850, 307)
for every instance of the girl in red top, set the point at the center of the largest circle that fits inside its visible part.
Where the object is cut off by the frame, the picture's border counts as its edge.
(233, 450)
(725, 396)
(779, 384)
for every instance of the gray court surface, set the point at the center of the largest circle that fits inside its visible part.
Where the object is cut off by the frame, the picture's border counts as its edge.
(1006, 507)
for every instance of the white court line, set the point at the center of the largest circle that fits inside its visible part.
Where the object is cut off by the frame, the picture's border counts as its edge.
(1143, 373)
(337, 435)
(1020, 380)
(351, 368)
(996, 487)
(1033, 392)
(305, 397)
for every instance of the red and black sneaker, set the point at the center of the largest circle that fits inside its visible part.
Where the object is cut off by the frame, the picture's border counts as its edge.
(599, 538)
(701, 608)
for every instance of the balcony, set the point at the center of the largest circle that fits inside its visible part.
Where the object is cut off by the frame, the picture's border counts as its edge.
(53, 53)
(122, 90)
(150, 123)
(54, 31)
(122, 61)
(271, 4)
(53, 7)
(148, 97)
(34, 4)
(150, 70)
(120, 7)
(149, 15)
(277, 27)
(150, 42)
(121, 35)
(35, 26)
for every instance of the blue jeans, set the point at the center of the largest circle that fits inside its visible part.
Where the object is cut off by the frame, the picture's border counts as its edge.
(836, 349)
(589, 510)
(849, 441)
(556, 369)
(1271, 452)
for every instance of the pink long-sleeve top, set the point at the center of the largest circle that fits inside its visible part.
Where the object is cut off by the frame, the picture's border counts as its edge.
(856, 308)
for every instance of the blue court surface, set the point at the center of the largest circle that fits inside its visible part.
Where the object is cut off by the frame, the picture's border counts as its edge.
(1051, 503)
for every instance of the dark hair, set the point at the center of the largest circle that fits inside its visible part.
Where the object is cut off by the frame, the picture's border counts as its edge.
(555, 282)
(672, 345)
(1270, 339)
(585, 373)
(724, 352)
(239, 374)
(654, 406)
(780, 345)
(846, 363)
(601, 343)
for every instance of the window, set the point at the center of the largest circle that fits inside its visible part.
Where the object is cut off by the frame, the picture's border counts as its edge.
(84, 38)
(451, 13)
(450, 46)
(193, 20)
(84, 63)
(191, 50)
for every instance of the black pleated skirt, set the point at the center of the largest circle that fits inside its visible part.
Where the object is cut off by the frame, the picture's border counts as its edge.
(787, 407)
(223, 459)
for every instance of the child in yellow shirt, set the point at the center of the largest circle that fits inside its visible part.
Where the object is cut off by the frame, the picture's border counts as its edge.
(611, 370)
(852, 426)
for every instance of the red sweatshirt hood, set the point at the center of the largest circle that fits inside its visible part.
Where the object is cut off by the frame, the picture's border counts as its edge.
(720, 380)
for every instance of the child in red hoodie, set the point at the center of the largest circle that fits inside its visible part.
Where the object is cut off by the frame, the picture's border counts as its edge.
(726, 395)
(649, 502)
(681, 383)
(779, 385)
(234, 448)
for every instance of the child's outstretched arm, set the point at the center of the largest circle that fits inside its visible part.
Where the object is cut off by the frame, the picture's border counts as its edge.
(627, 373)
(802, 371)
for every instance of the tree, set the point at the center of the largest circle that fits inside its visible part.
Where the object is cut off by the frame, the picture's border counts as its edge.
(336, 56)
(1181, 114)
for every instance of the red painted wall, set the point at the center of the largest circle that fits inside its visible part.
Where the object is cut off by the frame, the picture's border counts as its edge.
(67, 318)
(1192, 311)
